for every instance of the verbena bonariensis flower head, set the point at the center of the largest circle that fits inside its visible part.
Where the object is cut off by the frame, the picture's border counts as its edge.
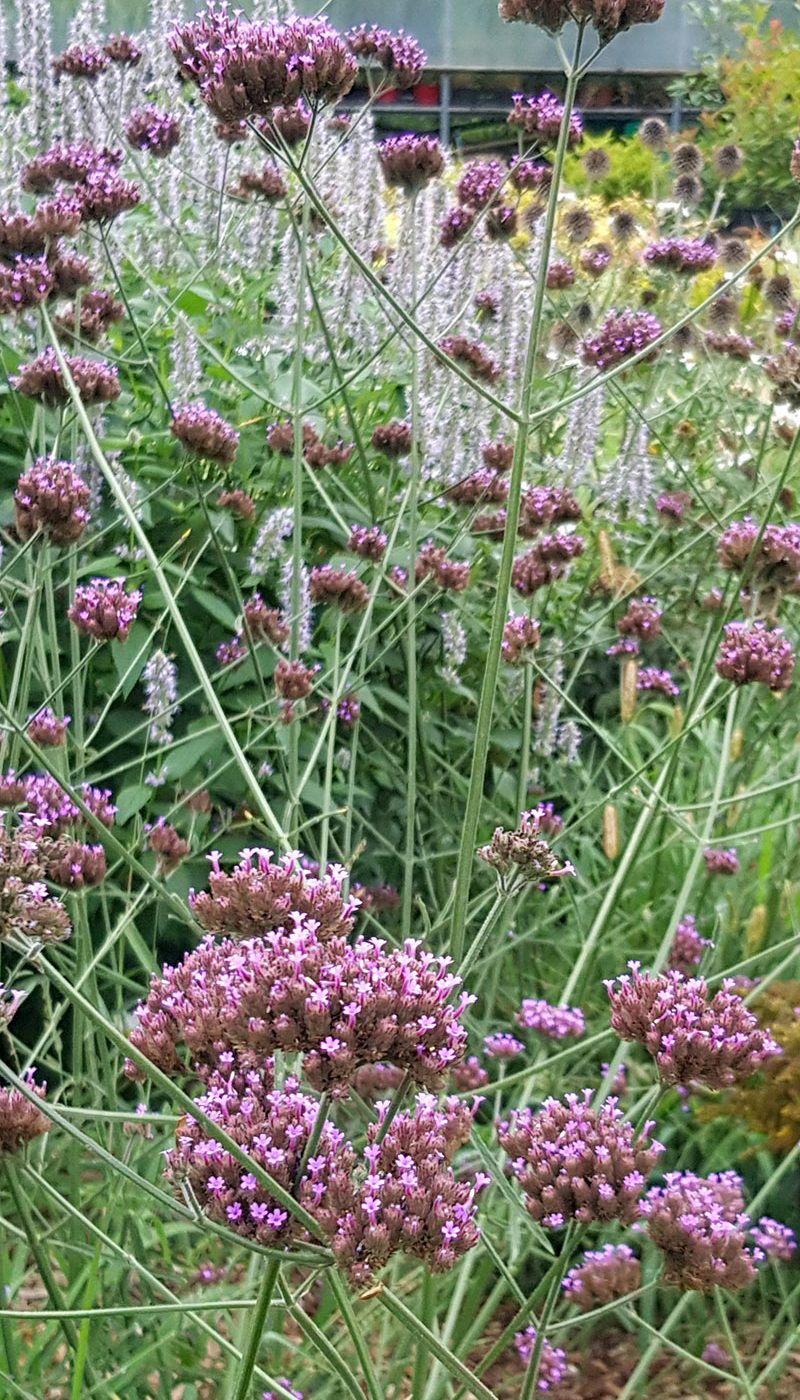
(29, 234)
(368, 541)
(719, 862)
(642, 619)
(47, 730)
(523, 857)
(264, 892)
(169, 846)
(432, 563)
(603, 1275)
(70, 271)
(267, 184)
(501, 1045)
(651, 679)
(484, 485)
(608, 17)
(694, 1036)
(43, 798)
(339, 1005)
(104, 195)
(74, 865)
(122, 49)
(67, 163)
(205, 434)
(95, 381)
(265, 624)
(399, 55)
(783, 370)
(541, 117)
(554, 1022)
(575, 1162)
(470, 1076)
(480, 182)
(410, 162)
(274, 1127)
(148, 129)
(80, 62)
(622, 335)
(24, 284)
(673, 505)
(771, 555)
(245, 70)
(700, 1225)
(339, 588)
(98, 310)
(549, 505)
(560, 275)
(28, 912)
(688, 947)
(287, 126)
(103, 610)
(394, 439)
(751, 653)
(20, 1120)
(51, 499)
(405, 1198)
(552, 1360)
(775, 1241)
(521, 635)
(681, 254)
(293, 680)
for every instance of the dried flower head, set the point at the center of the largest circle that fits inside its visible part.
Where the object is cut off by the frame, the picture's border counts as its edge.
(170, 848)
(398, 54)
(728, 160)
(267, 184)
(687, 159)
(688, 190)
(575, 1162)
(339, 588)
(523, 857)
(103, 610)
(783, 370)
(694, 1037)
(654, 133)
(597, 163)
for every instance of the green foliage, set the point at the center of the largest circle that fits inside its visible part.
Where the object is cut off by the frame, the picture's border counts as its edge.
(635, 170)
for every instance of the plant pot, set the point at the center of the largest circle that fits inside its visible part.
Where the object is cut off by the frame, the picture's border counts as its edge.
(426, 94)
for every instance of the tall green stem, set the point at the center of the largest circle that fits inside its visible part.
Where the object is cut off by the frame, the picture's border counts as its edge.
(331, 749)
(411, 605)
(296, 589)
(255, 1330)
(492, 668)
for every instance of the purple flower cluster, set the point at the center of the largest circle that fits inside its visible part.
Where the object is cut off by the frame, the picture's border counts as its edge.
(148, 129)
(480, 182)
(754, 654)
(68, 163)
(80, 62)
(575, 1162)
(261, 894)
(432, 563)
(103, 610)
(719, 862)
(688, 947)
(43, 798)
(603, 1275)
(642, 620)
(406, 1198)
(20, 1120)
(650, 678)
(622, 335)
(771, 555)
(95, 381)
(521, 635)
(244, 70)
(24, 284)
(775, 1241)
(609, 17)
(394, 439)
(502, 1046)
(681, 254)
(700, 1225)
(339, 588)
(694, 1037)
(540, 118)
(28, 913)
(547, 561)
(205, 434)
(368, 541)
(339, 1005)
(410, 162)
(51, 499)
(552, 1360)
(398, 54)
(554, 1022)
(47, 730)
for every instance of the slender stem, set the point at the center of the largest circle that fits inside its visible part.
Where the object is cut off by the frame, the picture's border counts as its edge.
(40, 1257)
(492, 667)
(411, 604)
(525, 745)
(212, 699)
(731, 1340)
(257, 1322)
(331, 749)
(531, 1382)
(345, 1306)
(296, 587)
